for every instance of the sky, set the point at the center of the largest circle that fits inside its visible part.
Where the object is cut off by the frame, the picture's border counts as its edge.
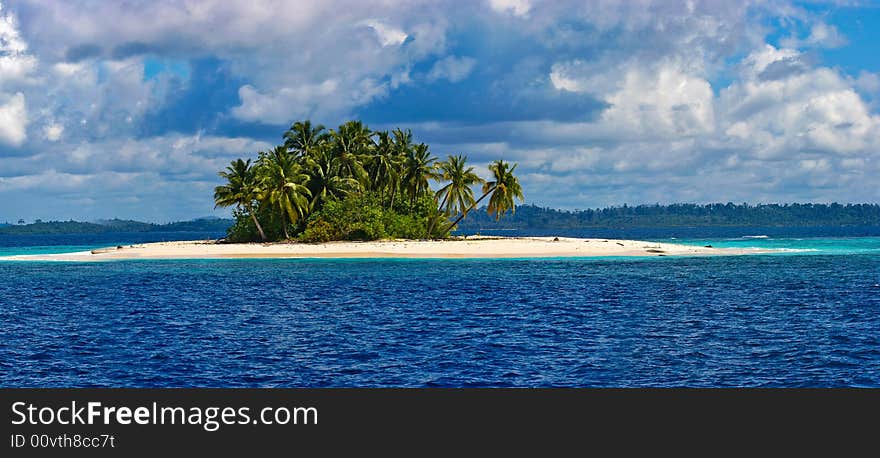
(128, 109)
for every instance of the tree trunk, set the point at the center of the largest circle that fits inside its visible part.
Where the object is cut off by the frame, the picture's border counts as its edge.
(431, 225)
(257, 223)
(393, 194)
(464, 213)
(284, 222)
(444, 201)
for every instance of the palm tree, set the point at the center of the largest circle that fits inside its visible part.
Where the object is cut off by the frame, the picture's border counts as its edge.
(302, 138)
(457, 194)
(384, 167)
(240, 190)
(283, 186)
(504, 188)
(350, 145)
(325, 181)
(418, 169)
(401, 150)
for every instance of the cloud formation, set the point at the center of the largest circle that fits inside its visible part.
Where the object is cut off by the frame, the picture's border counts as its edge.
(104, 114)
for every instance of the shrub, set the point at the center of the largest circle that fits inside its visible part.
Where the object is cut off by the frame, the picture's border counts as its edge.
(319, 230)
(362, 217)
(243, 228)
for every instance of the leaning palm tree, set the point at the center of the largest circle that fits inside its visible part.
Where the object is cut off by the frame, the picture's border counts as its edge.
(457, 195)
(503, 189)
(240, 190)
(283, 186)
(302, 138)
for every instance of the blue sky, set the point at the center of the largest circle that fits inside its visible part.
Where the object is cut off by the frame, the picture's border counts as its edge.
(112, 109)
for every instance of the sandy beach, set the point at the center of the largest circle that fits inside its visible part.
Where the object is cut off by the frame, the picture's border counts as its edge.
(472, 247)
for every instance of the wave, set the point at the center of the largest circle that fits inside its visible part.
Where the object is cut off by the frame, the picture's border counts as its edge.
(755, 237)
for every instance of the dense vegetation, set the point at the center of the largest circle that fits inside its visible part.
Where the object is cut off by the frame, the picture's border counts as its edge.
(353, 183)
(115, 225)
(766, 215)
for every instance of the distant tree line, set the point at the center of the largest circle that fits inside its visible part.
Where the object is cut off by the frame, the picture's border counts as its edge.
(729, 214)
(116, 225)
(534, 217)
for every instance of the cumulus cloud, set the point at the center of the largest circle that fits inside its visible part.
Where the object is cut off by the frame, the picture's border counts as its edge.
(821, 35)
(868, 82)
(660, 98)
(807, 112)
(16, 65)
(276, 49)
(600, 102)
(15, 61)
(515, 7)
(53, 132)
(388, 36)
(452, 68)
(134, 178)
(13, 120)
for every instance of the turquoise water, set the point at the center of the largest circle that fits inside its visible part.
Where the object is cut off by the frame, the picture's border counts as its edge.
(11, 245)
(785, 245)
(794, 245)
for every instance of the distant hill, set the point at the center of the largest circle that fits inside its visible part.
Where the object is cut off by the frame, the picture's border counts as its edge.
(117, 225)
(677, 215)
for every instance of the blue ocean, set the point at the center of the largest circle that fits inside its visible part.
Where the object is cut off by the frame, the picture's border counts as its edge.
(807, 316)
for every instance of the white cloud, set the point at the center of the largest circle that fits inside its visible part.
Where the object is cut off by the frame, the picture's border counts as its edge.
(519, 8)
(778, 125)
(644, 99)
(53, 132)
(363, 46)
(388, 36)
(868, 82)
(16, 65)
(13, 120)
(821, 35)
(15, 61)
(328, 99)
(814, 111)
(452, 68)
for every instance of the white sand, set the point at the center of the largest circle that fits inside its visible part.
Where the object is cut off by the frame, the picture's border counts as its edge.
(472, 247)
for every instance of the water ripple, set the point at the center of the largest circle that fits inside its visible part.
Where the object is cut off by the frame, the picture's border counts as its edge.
(739, 321)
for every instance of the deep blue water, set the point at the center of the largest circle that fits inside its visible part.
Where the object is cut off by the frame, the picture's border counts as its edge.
(802, 318)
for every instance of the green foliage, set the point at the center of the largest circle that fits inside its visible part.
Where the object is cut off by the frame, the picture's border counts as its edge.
(357, 217)
(243, 228)
(362, 217)
(318, 230)
(399, 226)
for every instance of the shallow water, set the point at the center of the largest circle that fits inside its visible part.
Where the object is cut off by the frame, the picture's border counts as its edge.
(803, 319)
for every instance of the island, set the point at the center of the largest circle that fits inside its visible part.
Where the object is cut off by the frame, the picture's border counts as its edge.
(352, 192)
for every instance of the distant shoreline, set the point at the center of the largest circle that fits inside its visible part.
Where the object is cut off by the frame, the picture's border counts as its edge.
(460, 248)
